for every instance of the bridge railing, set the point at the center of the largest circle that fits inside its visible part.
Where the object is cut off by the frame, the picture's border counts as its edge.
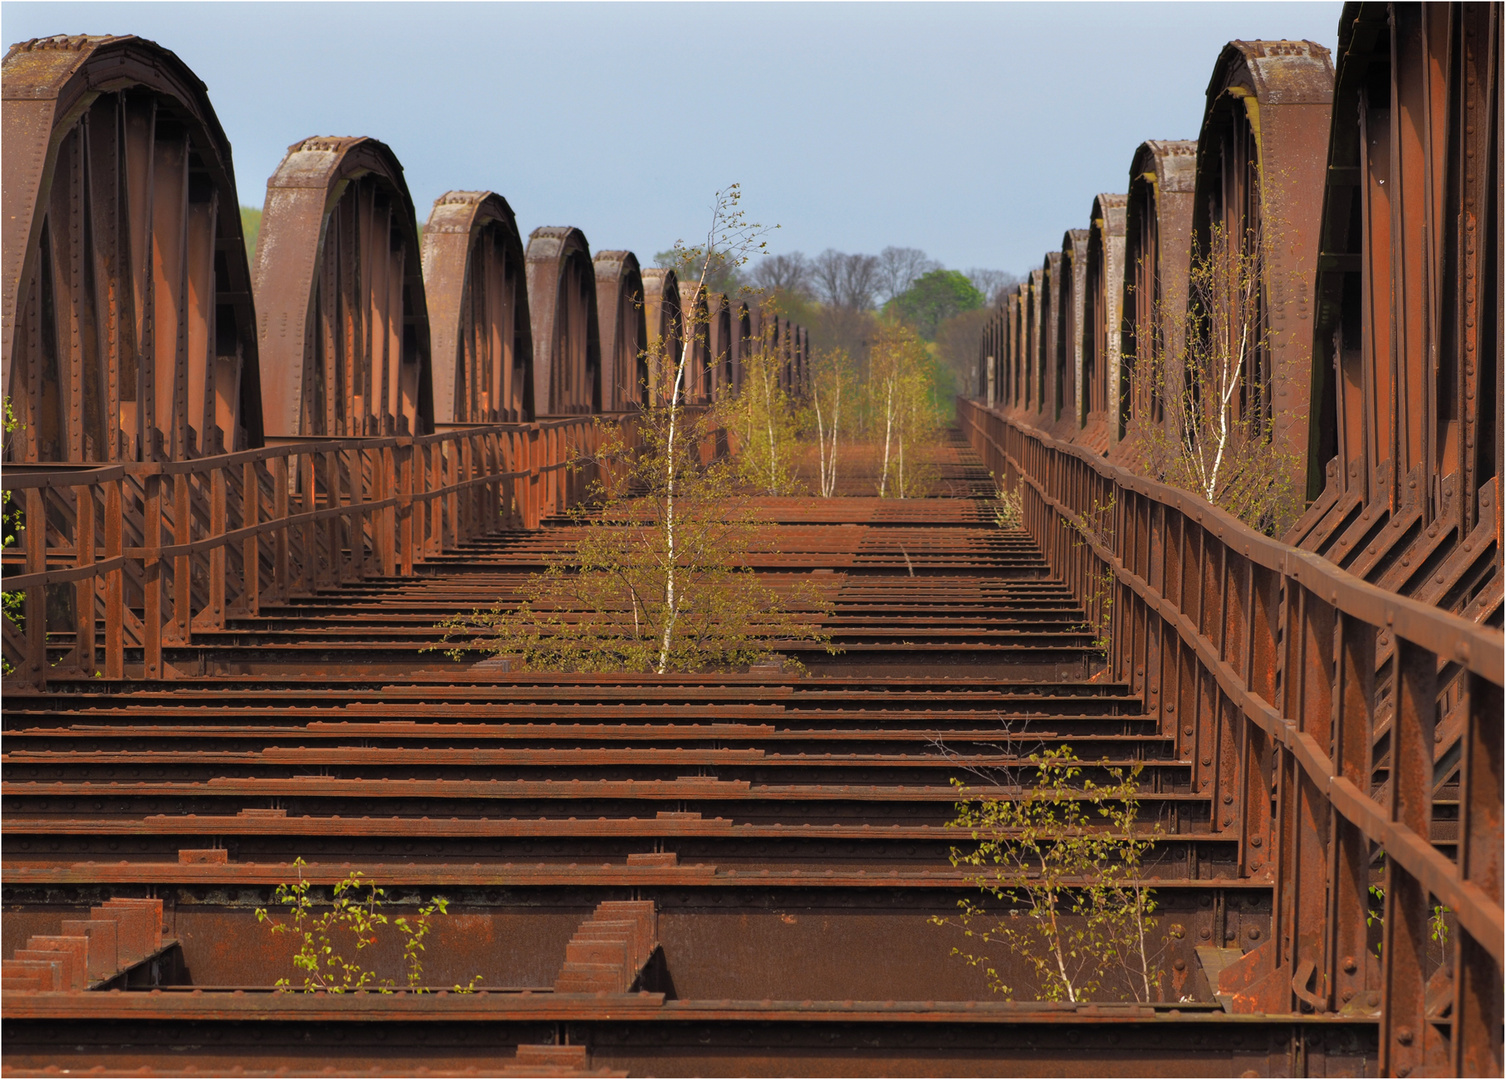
(1329, 722)
(127, 559)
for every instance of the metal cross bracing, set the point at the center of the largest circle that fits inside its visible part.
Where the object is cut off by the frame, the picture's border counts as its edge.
(133, 343)
(1405, 459)
(1370, 199)
(477, 293)
(790, 831)
(1262, 662)
(1299, 722)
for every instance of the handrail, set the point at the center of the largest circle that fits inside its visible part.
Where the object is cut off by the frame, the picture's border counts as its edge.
(141, 555)
(1321, 716)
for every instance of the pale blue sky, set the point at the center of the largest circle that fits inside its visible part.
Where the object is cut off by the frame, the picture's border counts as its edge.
(977, 132)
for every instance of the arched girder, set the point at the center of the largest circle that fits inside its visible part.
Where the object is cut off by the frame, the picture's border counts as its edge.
(696, 313)
(723, 345)
(743, 339)
(786, 354)
(566, 337)
(476, 286)
(1406, 377)
(1157, 246)
(1050, 297)
(1035, 379)
(624, 330)
(1071, 288)
(343, 322)
(1260, 161)
(126, 296)
(1009, 360)
(661, 312)
(1102, 293)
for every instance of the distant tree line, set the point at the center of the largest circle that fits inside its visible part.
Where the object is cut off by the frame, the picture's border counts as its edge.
(842, 298)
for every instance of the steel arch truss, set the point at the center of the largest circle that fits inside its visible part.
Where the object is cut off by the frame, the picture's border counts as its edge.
(562, 300)
(1157, 248)
(1407, 341)
(1260, 159)
(477, 290)
(343, 321)
(128, 325)
(624, 330)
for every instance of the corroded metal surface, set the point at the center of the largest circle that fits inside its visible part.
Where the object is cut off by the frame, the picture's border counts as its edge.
(1157, 252)
(343, 325)
(127, 314)
(661, 312)
(1260, 166)
(624, 330)
(1407, 392)
(567, 376)
(1035, 373)
(478, 310)
(1261, 660)
(1103, 293)
(695, 311)
(1071, 286)
(1052, 390)
(264, 620)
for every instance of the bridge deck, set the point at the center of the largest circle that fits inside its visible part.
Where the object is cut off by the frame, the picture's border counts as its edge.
(790, 829)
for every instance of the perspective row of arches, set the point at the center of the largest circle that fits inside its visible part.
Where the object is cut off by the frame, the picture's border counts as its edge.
(1369, 200)
(134, 328)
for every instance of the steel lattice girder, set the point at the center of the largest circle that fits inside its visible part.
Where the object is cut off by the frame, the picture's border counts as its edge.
(624, 330)
(1408, 340)
(477, 292)
(1157, 247)
(121, 218)
(566, 336)
(343, 321)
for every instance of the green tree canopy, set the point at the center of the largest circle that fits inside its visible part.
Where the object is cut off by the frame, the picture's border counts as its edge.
(934, 298)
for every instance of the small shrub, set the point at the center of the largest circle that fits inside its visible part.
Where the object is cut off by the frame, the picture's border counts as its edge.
(354, 916)
(1060, 869)
(1010, 513)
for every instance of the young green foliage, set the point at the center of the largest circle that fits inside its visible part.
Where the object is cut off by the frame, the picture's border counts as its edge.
(764, 417)
(354, 917)
(1206, 420)
(658, 580)
(901, 410)
(1010, 511)
(632, 596)
(1059, 865)
(12, 602)
(832, 378)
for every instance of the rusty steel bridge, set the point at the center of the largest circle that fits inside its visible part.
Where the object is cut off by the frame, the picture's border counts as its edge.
(250, 494)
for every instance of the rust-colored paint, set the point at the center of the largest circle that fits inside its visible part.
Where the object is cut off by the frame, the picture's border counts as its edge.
(567, 377)
(661, 312)
(478, 310)
(624, 330)
(1070, 289)
(1404, 462)
(342, 319)
(1260, 165)
(1157, 249)
(1278, 722)
(122, 220)
(1103, 292)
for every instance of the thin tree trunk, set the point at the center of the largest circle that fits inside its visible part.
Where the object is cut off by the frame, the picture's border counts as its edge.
(888, 429)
